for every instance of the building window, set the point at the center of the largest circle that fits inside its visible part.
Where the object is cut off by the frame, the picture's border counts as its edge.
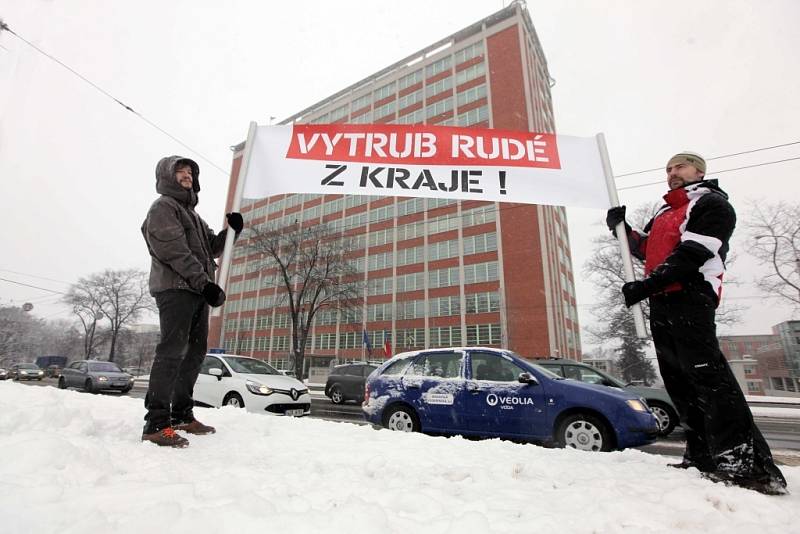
(325, 341)
(483, 302)
(409, 256)
(439, 107)
(379, 286)
(409, 338)
(445, 336)
(475, 244)
(443, 250)
(471, 95)
(471, 51)
(412, 205)
(468, 74)
(440, 86)
(410, 282)
(410, 309)
(362, 102)
(417, 117)
(339, 113)
(483, 334)
(383, 111)
(445, 306)
(438, 66)
(383, 92)
(379, 312)
(409, 99)
(410, 79)
(443, 277)
(480, 272)
(366, 118)
(473, 116)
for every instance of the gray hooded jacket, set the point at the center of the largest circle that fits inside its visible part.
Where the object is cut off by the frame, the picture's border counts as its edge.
(181, 245)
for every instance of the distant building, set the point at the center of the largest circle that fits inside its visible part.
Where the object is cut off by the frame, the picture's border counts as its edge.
(607, 364)
(789, 334)
(437, 272)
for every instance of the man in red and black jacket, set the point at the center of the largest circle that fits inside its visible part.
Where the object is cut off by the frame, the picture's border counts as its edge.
(684, 248)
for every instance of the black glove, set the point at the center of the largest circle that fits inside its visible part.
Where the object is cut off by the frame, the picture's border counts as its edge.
(213, 294)
(639, 290)
(235, 221)
(614, 216)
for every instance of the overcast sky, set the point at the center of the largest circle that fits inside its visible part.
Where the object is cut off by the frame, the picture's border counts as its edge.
(77, 170)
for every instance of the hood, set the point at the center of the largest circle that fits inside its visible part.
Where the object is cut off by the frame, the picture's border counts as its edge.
(711, 184)
(167, 185)
(276, 381)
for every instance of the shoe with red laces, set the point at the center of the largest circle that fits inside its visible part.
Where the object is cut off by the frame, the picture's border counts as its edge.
(166, 437)
(194, 427)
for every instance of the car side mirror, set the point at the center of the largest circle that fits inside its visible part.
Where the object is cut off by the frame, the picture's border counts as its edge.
(216, 371)
(527, 378)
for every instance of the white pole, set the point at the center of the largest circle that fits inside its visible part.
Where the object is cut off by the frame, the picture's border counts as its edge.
(622, 235)
(227, 253)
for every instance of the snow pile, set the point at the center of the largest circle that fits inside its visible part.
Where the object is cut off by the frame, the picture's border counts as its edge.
(73, 462)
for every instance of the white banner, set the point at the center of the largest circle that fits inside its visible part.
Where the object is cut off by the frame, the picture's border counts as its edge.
(426, 161)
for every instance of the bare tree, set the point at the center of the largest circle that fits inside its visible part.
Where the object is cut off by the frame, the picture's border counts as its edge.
(83, 300)
(313, 272)
(774, 231)
(18, 335)
(120, 297)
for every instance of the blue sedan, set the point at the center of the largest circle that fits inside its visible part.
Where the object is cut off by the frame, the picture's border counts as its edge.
(488, 392)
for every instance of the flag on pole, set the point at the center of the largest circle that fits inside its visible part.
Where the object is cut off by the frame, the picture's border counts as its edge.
(427, 161)
(387, 345)
(367, 342)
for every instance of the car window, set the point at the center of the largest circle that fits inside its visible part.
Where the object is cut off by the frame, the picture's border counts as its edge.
(490, 366)
(75, 365)
(397, 367)
(251, 366)
(557, 369)
(440, 364)
(27, 366)
(210, 362)
(367, 369)
(336, 371)
(104, 367)
(83, 367)
(353, 370)
(584, 374)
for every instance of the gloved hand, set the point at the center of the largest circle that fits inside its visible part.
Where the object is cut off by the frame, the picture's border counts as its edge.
(235, 221)
(638, 290)
(614, 216)
(213, 294)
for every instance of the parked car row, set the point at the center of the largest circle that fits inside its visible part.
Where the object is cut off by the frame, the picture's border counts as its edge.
(22, 371)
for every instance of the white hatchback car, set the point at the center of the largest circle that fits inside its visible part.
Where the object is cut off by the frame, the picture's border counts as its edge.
(230, 380)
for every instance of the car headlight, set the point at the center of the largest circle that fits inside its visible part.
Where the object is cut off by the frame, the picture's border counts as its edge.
(103, 379)
(41, 372)
(637, 405)
(257, 389)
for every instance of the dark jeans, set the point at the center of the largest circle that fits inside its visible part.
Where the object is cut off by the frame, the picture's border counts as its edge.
(720, 432)
(183, 317)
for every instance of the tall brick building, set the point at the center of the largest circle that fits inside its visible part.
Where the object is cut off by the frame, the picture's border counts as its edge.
(437, 272)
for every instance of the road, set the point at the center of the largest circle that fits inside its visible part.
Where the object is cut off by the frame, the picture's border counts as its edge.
(782, 433)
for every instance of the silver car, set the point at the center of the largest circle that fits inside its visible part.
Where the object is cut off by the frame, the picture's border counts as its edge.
(657, 398)
(94, 376)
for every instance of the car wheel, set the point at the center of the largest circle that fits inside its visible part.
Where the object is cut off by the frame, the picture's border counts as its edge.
(667, 418)
(337, 397)
(401, 419)
(126, 390)
(62, 384)
(88, 387)
(584, 432)
(233, 399)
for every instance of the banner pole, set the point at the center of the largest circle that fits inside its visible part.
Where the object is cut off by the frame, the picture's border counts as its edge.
(227, 253)
(622, 235)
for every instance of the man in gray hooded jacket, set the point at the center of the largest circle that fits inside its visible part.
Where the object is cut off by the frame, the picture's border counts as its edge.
(182, 250)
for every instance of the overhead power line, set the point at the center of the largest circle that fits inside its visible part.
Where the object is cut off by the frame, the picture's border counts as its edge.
(717, 172)
(29, 285)
(4, 26)
(662, 168)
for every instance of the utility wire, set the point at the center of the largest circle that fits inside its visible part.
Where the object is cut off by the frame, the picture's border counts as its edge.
(717, 172)
(34, 276)
(35, 287)
(4, 26)
(713, 158)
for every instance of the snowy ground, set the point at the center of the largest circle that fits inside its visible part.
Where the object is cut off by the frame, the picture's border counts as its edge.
(73, 463)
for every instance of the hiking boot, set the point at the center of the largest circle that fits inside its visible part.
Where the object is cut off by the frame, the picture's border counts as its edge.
(687, 464)
(766, 484)
(194, 427)
(166, 438)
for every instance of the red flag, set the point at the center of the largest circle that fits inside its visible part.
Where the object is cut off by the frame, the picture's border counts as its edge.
(387, 347)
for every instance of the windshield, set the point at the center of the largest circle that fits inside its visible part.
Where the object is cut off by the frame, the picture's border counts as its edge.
(104, 367)
(27, 366)
(250, 366)
(546, 372)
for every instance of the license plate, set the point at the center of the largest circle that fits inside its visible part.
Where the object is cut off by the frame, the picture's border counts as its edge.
(295, 413)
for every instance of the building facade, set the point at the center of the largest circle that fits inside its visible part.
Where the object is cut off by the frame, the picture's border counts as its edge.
(436, 272)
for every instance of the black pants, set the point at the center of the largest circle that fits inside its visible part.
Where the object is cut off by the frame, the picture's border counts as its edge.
(720, 432)
(183, 317)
